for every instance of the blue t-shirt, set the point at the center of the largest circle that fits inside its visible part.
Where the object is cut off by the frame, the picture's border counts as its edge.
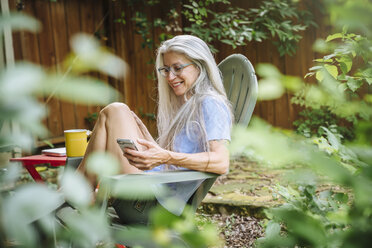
(217, 125)
(217, 121)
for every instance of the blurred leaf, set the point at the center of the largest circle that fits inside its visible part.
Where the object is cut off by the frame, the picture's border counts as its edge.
(364, 153)
(278, 150)
(269, 89)
(268, 70)
(76, 189)
(345, 64)
(9, 174)
(341, 197)
(20, 80)
(310, 231)
(332, 70)
(90, 56)
(23, 207)
(272, 229)
(137, 236)
(81, 90)
(319, 75)
(19, 21)
(333, 36)
(87, 228)
(292, 83)
(102, 164)
(354, 84)
(130, 187)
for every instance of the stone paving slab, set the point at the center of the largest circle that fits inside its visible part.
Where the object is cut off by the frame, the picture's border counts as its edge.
(246, 190)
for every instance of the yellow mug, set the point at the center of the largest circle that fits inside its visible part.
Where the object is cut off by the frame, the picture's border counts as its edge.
(76, 142)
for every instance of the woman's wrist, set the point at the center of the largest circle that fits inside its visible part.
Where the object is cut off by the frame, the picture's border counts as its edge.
(167, 157)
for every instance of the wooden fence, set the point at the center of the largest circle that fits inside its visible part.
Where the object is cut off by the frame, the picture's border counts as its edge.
(63, 18)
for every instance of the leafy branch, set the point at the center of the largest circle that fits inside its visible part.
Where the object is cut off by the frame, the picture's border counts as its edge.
(280, 21)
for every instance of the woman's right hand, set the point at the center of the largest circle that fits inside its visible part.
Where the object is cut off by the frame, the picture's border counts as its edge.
(143, 128)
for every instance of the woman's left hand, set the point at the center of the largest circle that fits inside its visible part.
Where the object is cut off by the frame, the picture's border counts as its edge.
(153, 156)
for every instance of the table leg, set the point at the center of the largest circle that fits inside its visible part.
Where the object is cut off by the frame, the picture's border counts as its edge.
(33, 172)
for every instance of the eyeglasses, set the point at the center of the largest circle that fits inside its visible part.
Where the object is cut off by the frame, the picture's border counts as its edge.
(175, 69)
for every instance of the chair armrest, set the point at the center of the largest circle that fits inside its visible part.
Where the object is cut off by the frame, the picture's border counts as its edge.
(165, 176)
(142, 185)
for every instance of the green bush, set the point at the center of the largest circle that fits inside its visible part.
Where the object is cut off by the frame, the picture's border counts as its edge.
(311, 216)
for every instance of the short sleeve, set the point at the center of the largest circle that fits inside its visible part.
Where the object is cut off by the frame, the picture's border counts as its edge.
(217, 119)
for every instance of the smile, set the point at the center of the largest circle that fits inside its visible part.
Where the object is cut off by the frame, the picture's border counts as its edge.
(176, 84)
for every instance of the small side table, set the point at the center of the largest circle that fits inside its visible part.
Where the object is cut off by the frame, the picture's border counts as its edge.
(29, 163)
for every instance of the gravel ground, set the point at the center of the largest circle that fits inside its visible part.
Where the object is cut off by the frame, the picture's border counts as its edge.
(236, 231)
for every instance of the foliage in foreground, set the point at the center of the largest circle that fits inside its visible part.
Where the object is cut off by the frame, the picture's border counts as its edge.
(27, 212)
(312, 217)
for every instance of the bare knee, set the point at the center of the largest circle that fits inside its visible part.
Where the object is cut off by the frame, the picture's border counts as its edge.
(115, 108)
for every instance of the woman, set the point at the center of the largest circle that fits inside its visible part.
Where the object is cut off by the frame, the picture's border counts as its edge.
(194, 119)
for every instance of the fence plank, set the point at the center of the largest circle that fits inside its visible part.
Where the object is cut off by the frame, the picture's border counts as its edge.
(61, 44)
(48, 59)
(64, 18)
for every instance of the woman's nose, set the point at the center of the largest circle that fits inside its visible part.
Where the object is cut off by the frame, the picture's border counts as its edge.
(171, 76)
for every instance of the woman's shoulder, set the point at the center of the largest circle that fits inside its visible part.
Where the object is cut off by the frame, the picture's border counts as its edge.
(213, 101)
(215, 105)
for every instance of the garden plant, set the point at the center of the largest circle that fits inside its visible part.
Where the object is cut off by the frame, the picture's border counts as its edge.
(341, 215)
(27, 211)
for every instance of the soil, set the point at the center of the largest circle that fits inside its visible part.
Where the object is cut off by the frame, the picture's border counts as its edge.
(235, 230)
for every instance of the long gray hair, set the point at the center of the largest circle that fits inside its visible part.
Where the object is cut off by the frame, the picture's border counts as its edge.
(174, 115)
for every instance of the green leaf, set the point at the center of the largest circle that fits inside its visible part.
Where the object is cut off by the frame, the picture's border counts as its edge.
(76, 189)
(90, 56)
(354, 84)
(303, 226)
(272, 229)
(332, 69)
(334, 36)
(270, 89)
(319, 75)
(79, 89)
(345, 64)
(341, 197)
(18, 21)
(268, 70)
(27, 204)
(292, 83)
(97, 159)
(316, 68)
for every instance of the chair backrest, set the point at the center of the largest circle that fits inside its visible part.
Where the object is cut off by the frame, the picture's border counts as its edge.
(240, 82)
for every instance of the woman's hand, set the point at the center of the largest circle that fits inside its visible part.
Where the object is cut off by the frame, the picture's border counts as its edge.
(153, 156)
(145, 132)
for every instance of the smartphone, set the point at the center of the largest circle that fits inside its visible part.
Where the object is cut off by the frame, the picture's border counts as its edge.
(126, 143)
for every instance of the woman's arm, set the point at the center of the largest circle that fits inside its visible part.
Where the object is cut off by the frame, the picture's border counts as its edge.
(215, 161)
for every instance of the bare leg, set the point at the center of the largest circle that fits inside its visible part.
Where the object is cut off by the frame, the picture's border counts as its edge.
(114, 121)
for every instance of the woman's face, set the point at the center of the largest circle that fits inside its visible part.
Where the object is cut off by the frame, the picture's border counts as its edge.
(187, 77)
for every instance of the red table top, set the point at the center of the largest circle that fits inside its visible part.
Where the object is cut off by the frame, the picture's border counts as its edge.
(40, 159)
